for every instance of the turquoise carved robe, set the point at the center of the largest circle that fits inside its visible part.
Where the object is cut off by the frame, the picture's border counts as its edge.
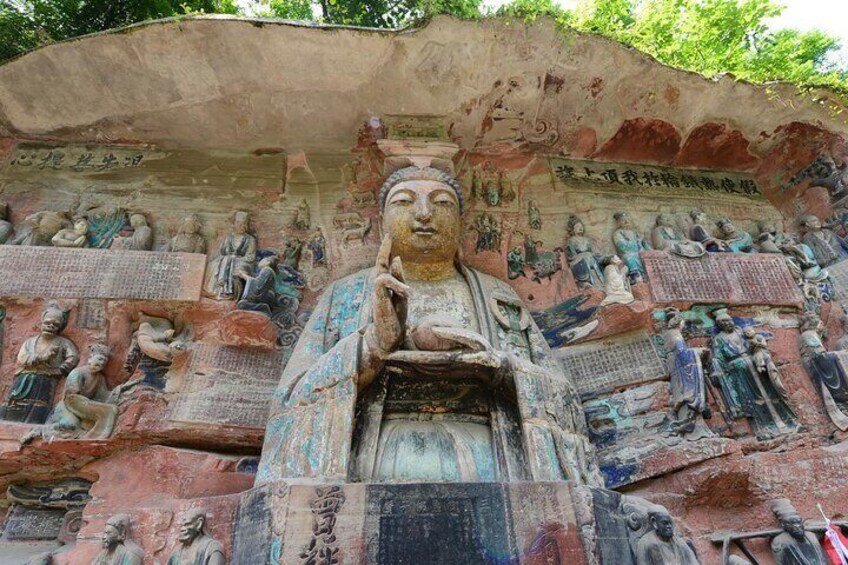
(310, 428)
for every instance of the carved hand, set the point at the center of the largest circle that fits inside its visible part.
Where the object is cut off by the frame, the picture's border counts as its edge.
(391, 296)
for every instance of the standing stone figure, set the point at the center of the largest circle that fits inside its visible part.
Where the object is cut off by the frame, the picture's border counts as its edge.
(238, 254)
(317, 245)
(141, 238)
(688, 380)
(826, 245)
(701, 233)
(118, 548)
(735, 241)
(661, 546)
(42, 361)
(385, 345)
(828, 371)
(84, 411)
(581, 256)
(628, 244)
(665, 237)
(302, 220)
(795, 546)
(534, 216)
(196, 546)
(6, 227)
(76, 236)
(188, 238)
(749, 380)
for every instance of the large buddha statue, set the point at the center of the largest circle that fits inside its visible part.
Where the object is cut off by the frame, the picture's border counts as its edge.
(422, 369)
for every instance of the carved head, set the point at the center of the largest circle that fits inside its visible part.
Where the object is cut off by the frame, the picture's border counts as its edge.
(724, 321)
(268, 261)
(665, 220)
(766, 226)
(810, 222)
(138, 220)
(726, 226)
(53, 319)
(192, 525)
(697, 216)
(622, 219)
(422, 211)
(80, 226)
(98, 356)
(788, 517)
(241, 222)
(662, 523)
(116, 530)
(191, 224)
(575, 226)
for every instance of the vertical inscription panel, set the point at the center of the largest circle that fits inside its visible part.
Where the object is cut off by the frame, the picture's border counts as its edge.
(228, 385)
(839, 277)
(605, 365)
(729, 278)
(97, 273)
(252, 532)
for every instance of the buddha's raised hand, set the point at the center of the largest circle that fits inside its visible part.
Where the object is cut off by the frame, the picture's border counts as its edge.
(391, 300)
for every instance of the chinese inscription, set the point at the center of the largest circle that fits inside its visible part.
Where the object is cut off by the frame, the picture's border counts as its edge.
(610, 364)
(93, 273)
(322, 548)
(228, 386)
(639, 176)
(77, 159)
(30, 524)
(728, 278)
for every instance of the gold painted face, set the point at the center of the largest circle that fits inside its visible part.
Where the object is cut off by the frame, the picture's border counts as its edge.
(423, 218)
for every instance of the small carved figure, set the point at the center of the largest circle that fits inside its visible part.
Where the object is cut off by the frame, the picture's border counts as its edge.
(795, 546)
(628, 244)
(355, 232)
(238, 255)
(534, 216)
(42, 361)
(735, 241)
(259, 292)
(665, 237)
(72, 237)
(825, 172)
(488, 233)
(661, 546)
(701, 233)
(155, 346)
(801, 260)
(827, 370)
(302, 220)
(317, 245)
(476, 185)
(827, 247)
(141, 238)
(616, 282)
(581, 256)
(118, 548)
(688, 381)
(196, 547)
(769, 239)
(188, 238)
(515, 264)
(750, 387)
(84, 411)
(39, 228)
(6, 227)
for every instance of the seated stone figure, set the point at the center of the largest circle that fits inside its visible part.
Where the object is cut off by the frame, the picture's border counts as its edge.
(141, 238)
(83, 412)
(424, 369)
(188, 238)
(827, 247)
(665, 237)
(155, 345)
(736, 241)
(795, 546)
(118, 548)
(42, 360)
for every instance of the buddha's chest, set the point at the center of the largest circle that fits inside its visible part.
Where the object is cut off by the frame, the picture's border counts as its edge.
(447, 298)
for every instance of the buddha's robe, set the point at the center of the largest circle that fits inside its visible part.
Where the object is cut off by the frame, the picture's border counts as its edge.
(309, 433)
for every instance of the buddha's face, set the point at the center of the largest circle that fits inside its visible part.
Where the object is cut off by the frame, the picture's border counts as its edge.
(423, 219)
(111, 537)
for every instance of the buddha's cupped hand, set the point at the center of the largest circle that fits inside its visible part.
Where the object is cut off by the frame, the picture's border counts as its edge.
(441, 333)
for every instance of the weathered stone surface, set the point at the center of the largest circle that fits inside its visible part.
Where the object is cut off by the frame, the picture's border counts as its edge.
(729, 278)
(94, 273)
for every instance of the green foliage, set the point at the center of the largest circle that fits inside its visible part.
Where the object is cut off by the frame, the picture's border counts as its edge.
(287, 10)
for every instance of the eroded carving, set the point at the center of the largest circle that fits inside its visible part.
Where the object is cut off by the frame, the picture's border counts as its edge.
(196, 545)
(237, 257)
(117, 547)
